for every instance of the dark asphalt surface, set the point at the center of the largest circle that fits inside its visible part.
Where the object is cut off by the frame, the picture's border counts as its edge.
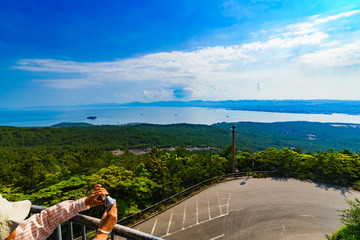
(251, 209)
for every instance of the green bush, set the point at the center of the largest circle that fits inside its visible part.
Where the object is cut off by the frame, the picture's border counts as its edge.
(348, 232)
(350, 217)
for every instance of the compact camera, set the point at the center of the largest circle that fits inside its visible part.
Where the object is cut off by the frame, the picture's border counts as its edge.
(109, 201)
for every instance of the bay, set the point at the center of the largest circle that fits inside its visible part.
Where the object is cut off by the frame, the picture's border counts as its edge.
(156, 115)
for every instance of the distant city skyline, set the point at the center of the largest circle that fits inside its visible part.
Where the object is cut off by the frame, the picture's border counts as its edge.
(87, 52)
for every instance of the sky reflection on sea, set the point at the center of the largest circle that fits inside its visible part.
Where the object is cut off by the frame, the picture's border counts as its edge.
(155, 115)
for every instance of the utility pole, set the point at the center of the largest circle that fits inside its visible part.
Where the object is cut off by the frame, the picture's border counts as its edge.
(210, 162)
(233, 155)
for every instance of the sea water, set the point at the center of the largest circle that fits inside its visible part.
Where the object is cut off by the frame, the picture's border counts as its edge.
(155, 115)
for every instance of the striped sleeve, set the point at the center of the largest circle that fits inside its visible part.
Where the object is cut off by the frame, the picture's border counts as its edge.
(41, 225)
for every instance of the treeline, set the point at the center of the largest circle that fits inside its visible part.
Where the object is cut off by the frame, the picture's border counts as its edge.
(137, 181)
(250, 136)
(114, 137)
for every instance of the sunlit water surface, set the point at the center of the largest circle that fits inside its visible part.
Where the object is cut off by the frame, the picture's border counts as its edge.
(155, 115)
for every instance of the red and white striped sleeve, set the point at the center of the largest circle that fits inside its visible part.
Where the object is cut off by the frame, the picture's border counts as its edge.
(42, 225)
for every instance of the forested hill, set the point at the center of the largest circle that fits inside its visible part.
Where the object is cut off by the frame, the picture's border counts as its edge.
(249, 136)
(49, 165)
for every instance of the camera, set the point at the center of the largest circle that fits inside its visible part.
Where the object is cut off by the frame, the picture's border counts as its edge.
(109, 201)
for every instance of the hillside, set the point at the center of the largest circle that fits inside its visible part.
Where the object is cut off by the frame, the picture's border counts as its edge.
(305, 135)
(249, 136)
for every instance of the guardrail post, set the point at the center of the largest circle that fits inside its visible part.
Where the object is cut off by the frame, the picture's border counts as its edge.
(71, 231)
(57, 233)
(83, 232)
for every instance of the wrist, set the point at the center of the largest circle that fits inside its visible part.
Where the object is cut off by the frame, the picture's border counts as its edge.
(103, 231)
(101, 235)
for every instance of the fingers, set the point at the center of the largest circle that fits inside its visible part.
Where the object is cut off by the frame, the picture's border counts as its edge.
(92, 199)
(100, 191)
(113, 209)
(109, 219)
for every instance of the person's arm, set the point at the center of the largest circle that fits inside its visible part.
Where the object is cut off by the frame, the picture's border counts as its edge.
(107, 223)
(42, 225)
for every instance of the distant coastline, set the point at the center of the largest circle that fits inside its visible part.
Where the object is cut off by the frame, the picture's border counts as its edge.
(350, 107)
(192, 112)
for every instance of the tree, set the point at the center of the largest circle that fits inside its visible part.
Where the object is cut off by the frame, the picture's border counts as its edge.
(351, 218)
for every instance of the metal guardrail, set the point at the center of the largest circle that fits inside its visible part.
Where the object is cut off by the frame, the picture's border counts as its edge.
(132, 234)
(187, 192)
(91, 222)
(174, 198)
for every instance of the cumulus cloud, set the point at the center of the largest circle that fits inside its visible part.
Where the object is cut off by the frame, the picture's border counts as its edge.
(347, 55)
(225, 70)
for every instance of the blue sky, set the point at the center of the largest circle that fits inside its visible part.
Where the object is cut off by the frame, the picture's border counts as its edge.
(83, 52)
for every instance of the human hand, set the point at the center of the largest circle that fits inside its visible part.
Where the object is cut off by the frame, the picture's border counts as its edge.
(107, 223)
(109, 219)
(92, 199)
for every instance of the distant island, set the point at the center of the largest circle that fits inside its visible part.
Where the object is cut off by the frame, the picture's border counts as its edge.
(91, 117)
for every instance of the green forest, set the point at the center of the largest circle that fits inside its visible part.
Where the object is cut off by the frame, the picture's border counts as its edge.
(309, 136)
(49, 165)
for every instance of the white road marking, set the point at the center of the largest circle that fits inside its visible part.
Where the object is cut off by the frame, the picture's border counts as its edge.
(168, 234)
(283, 226)
(168, 229)
(183, 224)
(220, 236)
(239, 209)
(228, 203)
(153, 228)
(197, 211)
(219, 202)
(208, 202)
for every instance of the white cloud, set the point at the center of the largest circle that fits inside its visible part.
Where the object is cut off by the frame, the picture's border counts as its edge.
(69, 83)
(222, 72)
(336, 17)
(347, 55)
(313, 25)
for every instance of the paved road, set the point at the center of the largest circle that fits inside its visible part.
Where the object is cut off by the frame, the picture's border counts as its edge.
(251, 209)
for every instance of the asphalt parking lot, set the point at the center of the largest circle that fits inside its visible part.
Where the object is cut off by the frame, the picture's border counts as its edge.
(251, 209)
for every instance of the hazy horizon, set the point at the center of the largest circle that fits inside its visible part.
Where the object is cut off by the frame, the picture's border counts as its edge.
(63, 53)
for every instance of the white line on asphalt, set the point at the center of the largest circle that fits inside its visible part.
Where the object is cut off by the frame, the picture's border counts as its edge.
(217, 193)
(183, 224)
(283, 226)
(168, 229)
(223, 215)
(228, 203)
(222, 235)
(208, 202)
(153, 229)
(197, 211)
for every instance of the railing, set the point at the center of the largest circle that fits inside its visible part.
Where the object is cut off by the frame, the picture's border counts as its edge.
(176, 197)
(91, 222)
(129, 233)
(135, 218)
